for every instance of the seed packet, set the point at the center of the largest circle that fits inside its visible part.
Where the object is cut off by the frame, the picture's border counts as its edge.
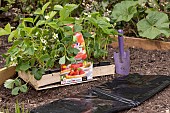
(81, 70)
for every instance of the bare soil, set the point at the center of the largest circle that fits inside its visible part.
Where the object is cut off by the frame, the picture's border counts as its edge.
(142, 62)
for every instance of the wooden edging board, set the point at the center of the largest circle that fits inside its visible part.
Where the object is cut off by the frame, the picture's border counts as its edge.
(6, 73)
(145, 44)
(53, 80)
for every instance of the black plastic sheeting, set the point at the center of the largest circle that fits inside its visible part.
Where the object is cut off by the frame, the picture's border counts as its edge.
(111, 97)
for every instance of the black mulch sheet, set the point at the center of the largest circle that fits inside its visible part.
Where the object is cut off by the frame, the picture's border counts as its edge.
(111, 97)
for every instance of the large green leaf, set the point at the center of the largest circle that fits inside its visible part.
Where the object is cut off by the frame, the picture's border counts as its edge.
(154, 24)
(124, 11)
(24, 66)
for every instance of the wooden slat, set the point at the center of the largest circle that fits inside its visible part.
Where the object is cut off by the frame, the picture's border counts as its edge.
(6, 73)
(143, 43)
(103, 70)
(58, 84)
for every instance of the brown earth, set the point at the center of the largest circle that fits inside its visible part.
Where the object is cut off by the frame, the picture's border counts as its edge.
(142, 62)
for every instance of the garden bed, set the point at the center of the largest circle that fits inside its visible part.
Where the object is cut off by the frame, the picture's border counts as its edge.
(142, 62)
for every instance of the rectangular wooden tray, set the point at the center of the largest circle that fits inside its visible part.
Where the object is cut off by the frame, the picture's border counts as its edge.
(53, 80)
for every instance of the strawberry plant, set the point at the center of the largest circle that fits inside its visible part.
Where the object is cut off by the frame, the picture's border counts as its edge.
(43, 45)
(97, 30)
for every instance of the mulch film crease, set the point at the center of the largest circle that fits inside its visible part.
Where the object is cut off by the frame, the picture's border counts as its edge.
(111, 97)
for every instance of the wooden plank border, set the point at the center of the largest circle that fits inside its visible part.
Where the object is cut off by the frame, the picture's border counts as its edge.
(146, 44)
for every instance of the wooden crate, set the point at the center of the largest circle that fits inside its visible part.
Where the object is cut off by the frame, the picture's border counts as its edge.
(6, 73)
(53, 80)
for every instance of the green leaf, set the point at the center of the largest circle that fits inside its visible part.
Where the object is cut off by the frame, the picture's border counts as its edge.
(40, 22)
(58, 7)
(62, 60)
(77, 28)
(28, 20)
(45, 57)
(45, 7)
(154, 24)
(70, 7)
(12, 35)
(9, 83)
(38, 11)
(8, 28)
(102, 23)
(66, 11)
(23, 88)
(92, 20)
(37, 73)
(15, 91)
(86, 34)
(17, 82)
(124, 11)
(50, 63)
(75, 51)
(53, 25)
(3, 32)
(52, 14)
(29, 51)
(24, 66)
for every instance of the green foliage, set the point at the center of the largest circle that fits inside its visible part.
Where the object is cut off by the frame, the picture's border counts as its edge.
(97, 31)
(124, 11)
(151, 23)
(16, 86)
(154, 24)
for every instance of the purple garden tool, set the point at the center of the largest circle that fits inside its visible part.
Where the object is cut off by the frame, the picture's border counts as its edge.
(122, 58)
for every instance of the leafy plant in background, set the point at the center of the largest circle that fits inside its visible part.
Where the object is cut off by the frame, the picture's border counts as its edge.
(151, 23)
(97, 31)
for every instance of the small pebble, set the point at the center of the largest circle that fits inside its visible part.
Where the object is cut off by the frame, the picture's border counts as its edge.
(167, 111)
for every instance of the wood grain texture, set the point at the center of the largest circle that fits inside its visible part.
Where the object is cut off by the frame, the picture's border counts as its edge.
(146, 44)
(6, 73)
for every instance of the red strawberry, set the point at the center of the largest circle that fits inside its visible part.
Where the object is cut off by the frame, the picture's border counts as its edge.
(76, 72)
(71, 73)
(81, 72)
(81, 56)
